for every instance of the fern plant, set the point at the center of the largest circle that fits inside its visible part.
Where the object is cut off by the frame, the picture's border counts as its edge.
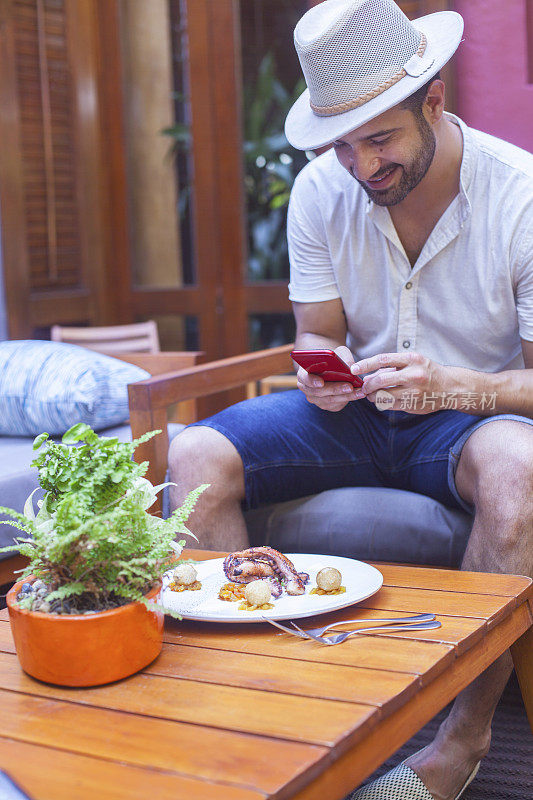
(92, 541)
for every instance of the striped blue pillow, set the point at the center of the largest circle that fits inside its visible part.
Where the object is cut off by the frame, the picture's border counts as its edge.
(49, 386)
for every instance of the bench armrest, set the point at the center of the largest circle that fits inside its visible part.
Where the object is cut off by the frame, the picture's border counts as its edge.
(149, 399)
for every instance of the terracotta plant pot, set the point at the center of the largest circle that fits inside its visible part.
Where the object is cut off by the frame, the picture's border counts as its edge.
(85, 650)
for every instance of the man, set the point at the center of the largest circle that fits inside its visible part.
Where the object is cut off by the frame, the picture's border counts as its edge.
(411, 249)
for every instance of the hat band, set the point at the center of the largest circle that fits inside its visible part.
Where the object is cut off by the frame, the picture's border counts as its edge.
(340, 108)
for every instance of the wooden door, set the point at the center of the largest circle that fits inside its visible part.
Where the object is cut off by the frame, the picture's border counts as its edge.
(211, 291)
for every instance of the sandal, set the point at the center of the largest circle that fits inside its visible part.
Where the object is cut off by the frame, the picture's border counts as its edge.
(402, 783)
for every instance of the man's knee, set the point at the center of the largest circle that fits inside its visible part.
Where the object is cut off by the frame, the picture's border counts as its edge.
(496, 466)
(204, 455)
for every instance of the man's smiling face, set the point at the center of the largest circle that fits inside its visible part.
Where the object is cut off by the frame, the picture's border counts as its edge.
(389, 155)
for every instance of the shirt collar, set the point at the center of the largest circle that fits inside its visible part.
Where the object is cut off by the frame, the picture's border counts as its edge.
(469, 160)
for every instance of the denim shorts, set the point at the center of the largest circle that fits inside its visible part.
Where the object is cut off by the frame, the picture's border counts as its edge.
(290, 448)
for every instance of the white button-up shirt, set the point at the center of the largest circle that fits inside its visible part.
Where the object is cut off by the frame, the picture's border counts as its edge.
(468, 299)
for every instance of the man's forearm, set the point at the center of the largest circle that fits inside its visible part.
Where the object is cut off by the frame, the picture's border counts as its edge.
(487, 394)
(314, 341)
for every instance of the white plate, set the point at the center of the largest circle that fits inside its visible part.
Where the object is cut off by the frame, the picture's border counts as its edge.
(361, 581)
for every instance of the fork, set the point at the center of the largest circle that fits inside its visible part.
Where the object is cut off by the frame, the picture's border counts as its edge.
(321, 631)
(341, 637)
(304, 634)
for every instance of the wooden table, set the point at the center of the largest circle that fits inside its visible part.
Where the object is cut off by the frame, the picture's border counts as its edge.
(237, 711)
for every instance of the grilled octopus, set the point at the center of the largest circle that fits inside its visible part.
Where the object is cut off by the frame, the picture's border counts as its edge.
(264, 562)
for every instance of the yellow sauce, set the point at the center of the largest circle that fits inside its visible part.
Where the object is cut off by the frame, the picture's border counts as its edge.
(182, 587)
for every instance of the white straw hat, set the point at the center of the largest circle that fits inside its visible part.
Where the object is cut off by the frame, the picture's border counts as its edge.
(360, 58)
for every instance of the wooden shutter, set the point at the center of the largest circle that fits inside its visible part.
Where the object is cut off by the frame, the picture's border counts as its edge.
(52, 167)
(47, 142)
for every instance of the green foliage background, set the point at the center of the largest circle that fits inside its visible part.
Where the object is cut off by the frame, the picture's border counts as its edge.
(271, 165)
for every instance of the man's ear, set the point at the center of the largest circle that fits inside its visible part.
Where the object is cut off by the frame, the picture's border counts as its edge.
(434, 103)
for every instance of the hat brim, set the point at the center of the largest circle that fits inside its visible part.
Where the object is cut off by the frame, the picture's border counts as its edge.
(305, 130)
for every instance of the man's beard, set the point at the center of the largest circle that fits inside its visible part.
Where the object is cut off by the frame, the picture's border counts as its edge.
(411, 174)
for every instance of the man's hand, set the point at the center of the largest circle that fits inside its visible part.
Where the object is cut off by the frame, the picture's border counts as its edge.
(416, 383)
(328, 395)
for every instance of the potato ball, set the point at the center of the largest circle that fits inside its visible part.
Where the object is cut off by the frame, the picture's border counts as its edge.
(257, 593)
(185, 574)
(329, 579)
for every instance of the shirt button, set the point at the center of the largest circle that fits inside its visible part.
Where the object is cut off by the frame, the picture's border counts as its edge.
(407, 343)
(408, 285)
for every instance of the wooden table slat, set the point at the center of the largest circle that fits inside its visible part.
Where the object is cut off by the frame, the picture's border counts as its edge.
(187, 750)
(373, 652)
(301, 719)
(459, 604)
(326, 681)
(456, 631)
(51, 774)
(7, 645)
(455, 580)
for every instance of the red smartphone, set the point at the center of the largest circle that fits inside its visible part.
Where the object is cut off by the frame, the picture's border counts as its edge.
(327, 364)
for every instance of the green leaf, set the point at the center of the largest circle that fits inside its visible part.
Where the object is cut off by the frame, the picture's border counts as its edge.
(151, 605)
(66, 591)
(29, 510)
(25, 602)
(37, 442)
(76, 433)
(280, 200)
(181, 515)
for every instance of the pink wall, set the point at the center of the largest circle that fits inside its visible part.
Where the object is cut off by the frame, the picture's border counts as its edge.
(493, 94)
